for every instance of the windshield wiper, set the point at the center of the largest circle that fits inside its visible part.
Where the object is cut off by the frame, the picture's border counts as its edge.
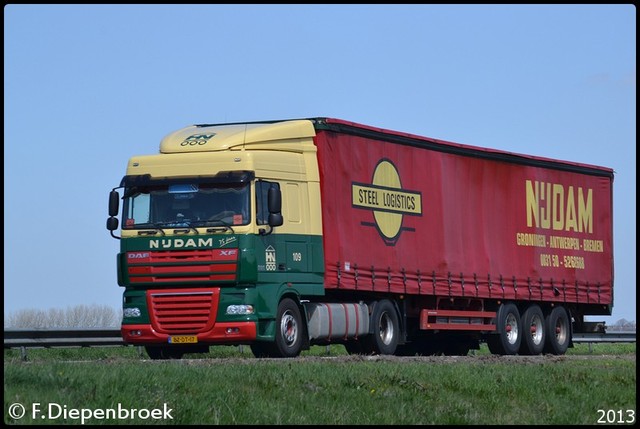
(156, 227)
(223, 226)
(185, 227)
(161, 226)
(186, 230)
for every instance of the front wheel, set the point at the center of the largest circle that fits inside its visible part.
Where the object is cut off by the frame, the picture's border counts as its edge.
(289, 334)
(289, 330)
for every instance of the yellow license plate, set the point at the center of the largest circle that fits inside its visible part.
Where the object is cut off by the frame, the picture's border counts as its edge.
(183, 339)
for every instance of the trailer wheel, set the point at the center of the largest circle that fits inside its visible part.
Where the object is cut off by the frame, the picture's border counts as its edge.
(164, 352)
(558, 331)
(386, 328)
(533, 331)
(289, 330)
(507, 340)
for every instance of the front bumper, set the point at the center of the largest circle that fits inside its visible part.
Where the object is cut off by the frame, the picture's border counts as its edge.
(221, 333)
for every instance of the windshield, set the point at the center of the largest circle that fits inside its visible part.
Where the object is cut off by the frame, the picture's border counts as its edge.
(186, 205)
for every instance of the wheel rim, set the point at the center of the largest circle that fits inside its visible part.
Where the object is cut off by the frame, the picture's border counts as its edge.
(289, 328)
(537, 330)
(386, 329)
(511, 328)
(561, 332)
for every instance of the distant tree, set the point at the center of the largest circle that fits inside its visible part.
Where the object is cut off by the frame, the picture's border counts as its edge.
(623, 325)
(79, 316)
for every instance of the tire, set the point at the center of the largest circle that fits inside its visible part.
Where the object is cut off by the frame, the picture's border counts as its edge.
(289, 330)
(534, 332)
(385, 329)
(509, 337)
(164, 352)
(558, 330)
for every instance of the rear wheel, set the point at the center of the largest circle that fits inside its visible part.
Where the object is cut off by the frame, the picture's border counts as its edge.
(507, 340)
(533, 331)
(386, 329)
(558, 330)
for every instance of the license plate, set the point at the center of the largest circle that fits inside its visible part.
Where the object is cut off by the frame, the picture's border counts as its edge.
(183, 339)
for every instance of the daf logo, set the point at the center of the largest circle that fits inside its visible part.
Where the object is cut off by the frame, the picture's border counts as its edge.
(138, 255)
(388, 201)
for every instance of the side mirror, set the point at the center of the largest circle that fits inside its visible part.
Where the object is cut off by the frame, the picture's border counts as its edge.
(274, 202)
(114, 208)
(275, 219)
(274, 199)
(112, 223)
(114, 203)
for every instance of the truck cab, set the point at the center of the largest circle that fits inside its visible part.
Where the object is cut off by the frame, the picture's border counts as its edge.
(209, 248)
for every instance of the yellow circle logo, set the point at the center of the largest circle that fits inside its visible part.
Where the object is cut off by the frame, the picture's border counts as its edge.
(388, 200)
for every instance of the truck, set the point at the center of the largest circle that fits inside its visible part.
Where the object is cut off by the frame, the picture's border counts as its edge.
(285, 234)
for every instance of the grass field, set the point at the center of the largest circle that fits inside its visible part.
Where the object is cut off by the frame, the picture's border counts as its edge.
(324, 386)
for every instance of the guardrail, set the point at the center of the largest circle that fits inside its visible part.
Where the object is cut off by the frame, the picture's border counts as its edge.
(25, 338)
(605, 337)
(31, 338)
(608, 337)
(14, 338)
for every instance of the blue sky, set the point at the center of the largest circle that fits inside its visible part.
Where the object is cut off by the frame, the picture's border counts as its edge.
(88, 86)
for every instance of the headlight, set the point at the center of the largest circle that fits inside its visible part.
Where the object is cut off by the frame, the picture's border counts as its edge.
(131, 312)
(240, 309)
